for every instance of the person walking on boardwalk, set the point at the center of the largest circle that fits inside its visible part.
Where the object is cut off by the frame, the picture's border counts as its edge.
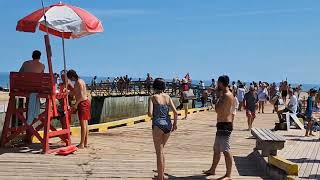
(262, 96)
(82, 106)
(240, 95)
(250, 105)
(284, 90)
(149, 80)
(224, 128)
(309, 111)
(235, 106)
(185, 87)
(159, 106)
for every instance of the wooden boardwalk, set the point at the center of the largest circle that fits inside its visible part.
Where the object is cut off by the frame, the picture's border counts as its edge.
(305, 151)
(128, 153)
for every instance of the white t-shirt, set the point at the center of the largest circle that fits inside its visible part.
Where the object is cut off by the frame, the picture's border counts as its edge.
(262, 94)
(293, 104)
(234, 106)
(203, 86)
(240, 94)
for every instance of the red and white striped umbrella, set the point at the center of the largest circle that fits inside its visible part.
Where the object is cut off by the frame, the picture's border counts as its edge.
(62, 20)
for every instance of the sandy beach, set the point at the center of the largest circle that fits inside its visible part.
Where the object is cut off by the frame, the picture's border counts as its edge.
(4, 96)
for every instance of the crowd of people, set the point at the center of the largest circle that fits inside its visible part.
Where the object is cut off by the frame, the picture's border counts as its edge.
(227, 98)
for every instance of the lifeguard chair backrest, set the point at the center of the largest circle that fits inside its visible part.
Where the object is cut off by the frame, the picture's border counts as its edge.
(26, 83)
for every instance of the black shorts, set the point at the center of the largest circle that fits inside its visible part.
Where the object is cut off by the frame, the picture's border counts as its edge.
(284, 93)
(185, 101)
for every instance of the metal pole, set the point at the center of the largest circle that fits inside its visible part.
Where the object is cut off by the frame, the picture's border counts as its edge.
(64, 57)
(47, 42)
(65, 68)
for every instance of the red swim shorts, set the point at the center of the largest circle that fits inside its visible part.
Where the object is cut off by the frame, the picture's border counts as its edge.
(251, 114)
(84, 110)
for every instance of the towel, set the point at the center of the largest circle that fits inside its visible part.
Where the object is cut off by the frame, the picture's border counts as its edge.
(33, 107)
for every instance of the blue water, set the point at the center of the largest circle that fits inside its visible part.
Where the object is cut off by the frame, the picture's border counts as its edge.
(4, 82)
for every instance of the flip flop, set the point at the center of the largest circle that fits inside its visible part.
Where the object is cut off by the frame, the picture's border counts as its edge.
(207, 173)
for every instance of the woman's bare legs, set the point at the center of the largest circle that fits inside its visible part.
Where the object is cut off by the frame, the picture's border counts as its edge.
(159, 140)
(260, 105)
(164, 142)
(240, 106)
(185, 106)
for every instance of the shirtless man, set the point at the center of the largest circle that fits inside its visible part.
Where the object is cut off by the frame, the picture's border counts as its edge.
(34, 65)
(284, 91)
(224, 128)
(83, 106)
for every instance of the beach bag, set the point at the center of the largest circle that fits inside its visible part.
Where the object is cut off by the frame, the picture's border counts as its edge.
(187, 95)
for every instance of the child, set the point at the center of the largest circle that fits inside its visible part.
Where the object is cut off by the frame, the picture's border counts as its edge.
(234, 107)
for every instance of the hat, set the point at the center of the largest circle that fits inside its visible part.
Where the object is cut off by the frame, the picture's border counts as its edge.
(184, 80)
(251, 88)
(312, 90)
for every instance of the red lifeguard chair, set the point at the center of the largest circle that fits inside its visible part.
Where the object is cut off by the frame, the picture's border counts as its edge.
(22, 85)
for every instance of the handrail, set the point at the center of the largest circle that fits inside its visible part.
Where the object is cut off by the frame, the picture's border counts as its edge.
(132, 88)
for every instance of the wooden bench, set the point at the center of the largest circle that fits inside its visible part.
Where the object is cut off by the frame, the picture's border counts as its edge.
(267, 141)
(295, 119)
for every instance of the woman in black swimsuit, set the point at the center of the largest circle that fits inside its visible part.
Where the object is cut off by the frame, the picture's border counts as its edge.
(159, 105)
(284, 91)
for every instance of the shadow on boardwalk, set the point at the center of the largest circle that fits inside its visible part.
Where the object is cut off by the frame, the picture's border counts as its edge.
(26, 149)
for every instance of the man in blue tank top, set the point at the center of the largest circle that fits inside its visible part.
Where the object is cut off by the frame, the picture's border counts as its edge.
(309, 111)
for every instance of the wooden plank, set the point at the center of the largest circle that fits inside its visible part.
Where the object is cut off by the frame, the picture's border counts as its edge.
(305, 156)
(270, 134)
(289, 167)
(273, 135)
(312, 164)
(128, 152)
(260, 135)
(297, 121)
(316, 166)
(264, 135)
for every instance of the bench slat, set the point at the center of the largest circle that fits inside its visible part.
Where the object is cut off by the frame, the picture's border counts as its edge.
(271, 134)
(261, 135)
(266, 135)
(255, 132)
(279, 138)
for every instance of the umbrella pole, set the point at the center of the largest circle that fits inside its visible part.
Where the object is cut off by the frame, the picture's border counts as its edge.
(65, 68)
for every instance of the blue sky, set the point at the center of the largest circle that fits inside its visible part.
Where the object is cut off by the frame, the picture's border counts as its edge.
(246, 39)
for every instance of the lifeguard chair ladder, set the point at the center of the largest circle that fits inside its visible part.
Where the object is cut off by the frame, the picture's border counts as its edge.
(22, 85)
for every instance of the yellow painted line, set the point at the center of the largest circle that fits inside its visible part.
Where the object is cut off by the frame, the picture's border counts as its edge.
(289, 167)
(103, 127)
(291, 177)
